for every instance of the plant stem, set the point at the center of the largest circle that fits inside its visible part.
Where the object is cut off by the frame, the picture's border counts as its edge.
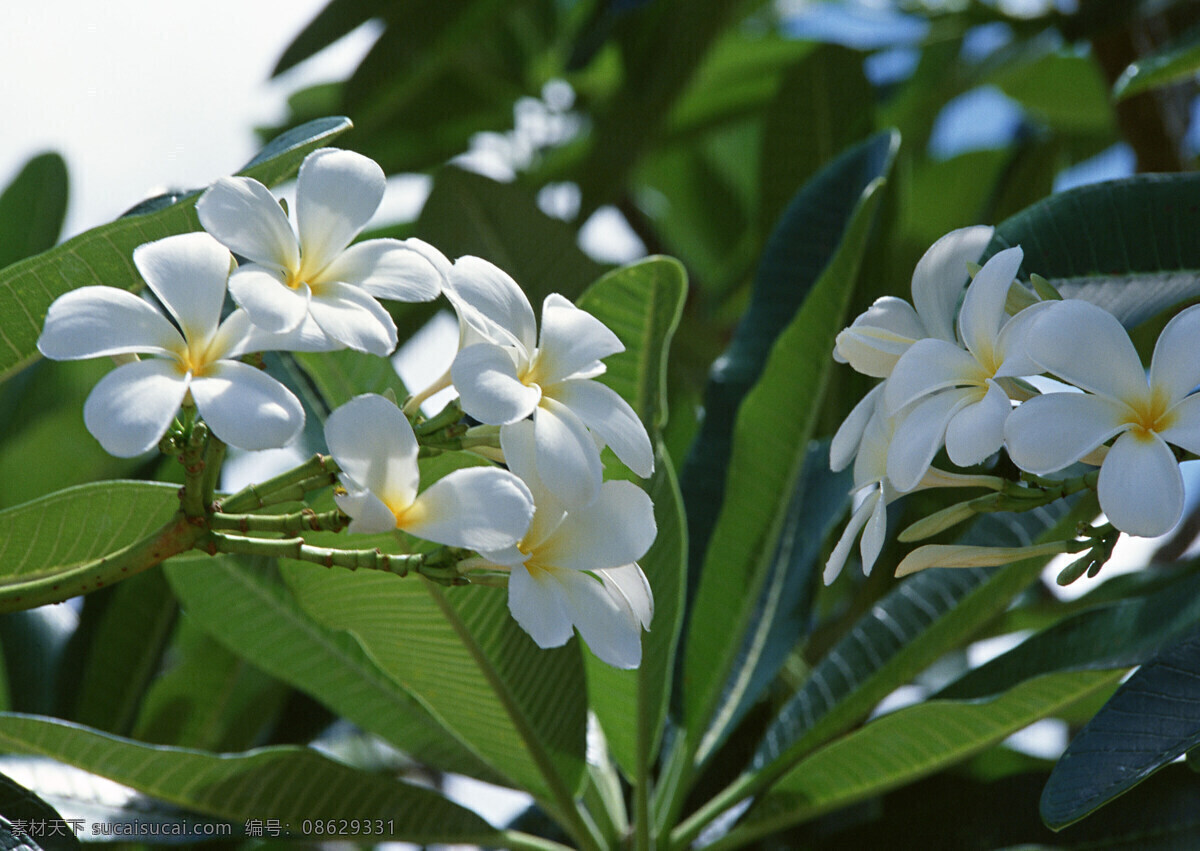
(305, 520)
(317, 472)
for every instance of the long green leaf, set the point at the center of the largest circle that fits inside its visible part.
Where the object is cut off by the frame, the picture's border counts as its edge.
(32, 208)
(293, 785)
(22, 807)
(770, 439)
(1127, 245)
(104, 255)
(253, 616)
(1176, 60)
(61, 535)
(462, 655)
(911, 743)
(1152, 719)
(1122, 634)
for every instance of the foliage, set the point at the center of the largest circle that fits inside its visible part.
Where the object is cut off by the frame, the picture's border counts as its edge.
(776, 187)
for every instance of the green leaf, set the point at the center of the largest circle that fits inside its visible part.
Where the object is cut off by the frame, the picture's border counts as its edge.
(460, 653)
(123, 652)
(500, 222)
(1177, 60)
(336, 19)
(824, 104)
(22, 807)
(1151, 720)
(252, 615)
(48, 546)
(1039, 86)
(1127, 245)
(920, 620)
(641, 304)
(32, 208)
(207, 697)
(289, 784)
(340, 376)
(1121, 634)
(911, 743)
(104, 255)
(770, 439)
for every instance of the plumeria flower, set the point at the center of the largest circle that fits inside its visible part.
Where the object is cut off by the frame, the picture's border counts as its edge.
(1140, 486)
(513, 374)
(864, 438)
(947, 394)
(479, 508)
(310, 271)
(884, 332)
(577, 568)
(195, 354)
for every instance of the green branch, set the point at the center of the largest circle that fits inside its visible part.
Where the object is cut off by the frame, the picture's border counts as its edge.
(315, 473)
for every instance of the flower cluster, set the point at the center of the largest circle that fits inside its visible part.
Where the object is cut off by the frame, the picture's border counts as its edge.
(568, 540)
(953, 381)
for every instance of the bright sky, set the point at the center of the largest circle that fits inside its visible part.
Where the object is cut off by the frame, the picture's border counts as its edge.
(139, 95)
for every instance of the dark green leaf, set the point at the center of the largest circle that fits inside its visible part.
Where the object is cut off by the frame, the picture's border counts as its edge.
(1177, 60)
(1127, 245)
(32, 208)
(338, 18)
(253, 615)
(29, 822)
(775, 423)
(1153, 719)
(289, 784)
(1121, 634)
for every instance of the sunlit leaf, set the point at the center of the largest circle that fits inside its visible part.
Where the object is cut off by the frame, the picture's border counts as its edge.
(1177, 60)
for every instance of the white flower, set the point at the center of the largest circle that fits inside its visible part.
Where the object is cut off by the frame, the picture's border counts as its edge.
(865, 437)
(1140, 487)
(292, 276)
(513, 374)
(578, 568)
(131, 408)
(879, 336)
(944, 393)
(480, 508)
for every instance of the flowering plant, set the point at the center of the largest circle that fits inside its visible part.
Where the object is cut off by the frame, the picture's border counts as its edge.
(310, 521)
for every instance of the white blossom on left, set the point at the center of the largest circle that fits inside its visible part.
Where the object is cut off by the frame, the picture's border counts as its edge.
(132, 407)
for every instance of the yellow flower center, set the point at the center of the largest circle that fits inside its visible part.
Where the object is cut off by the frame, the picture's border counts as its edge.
(409, 515)
(1151, 415)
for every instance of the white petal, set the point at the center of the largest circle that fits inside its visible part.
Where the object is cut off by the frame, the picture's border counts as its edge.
(879, 336)
(386, 268)
(572, 340)
(631, 584)
(373, 442)
(919, 435)
(875, 532)
(1012, 344)
(247, 408)
(130, 409)
(1086, 346)
(238, 336)
(983, 313)
(490, 301)
(940, 275)
(368, 514)
(1174, 368)
(568, 461)
(1054, 431)
(611, 418)
(93, 322)
(435, 257)
(538, 603)
(870, 464)
(606, 621)
(928, 366)
(245, 217)
(977, 431)
(1140, 487)
(520, 454)
(351, 316)
(487, 383)
(849, 435)
(272, 305)
(188, 273)
(337, 192)
(615, 529)
(837, 559)
(480, 508)
(1184, 430)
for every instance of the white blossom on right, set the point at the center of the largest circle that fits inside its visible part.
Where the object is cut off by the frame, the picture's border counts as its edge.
(1140, 486)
